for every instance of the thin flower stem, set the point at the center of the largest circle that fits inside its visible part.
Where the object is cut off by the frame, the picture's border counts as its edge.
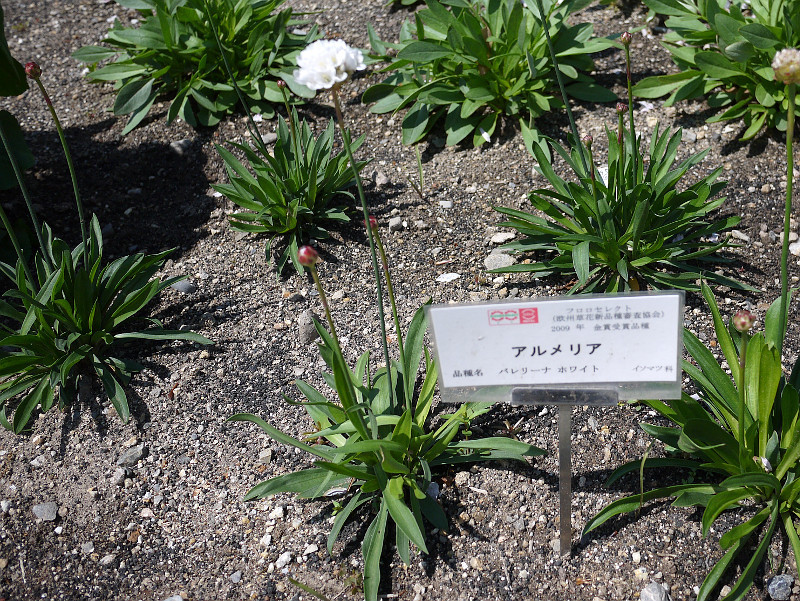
(630, 113)
(742, 406)
(591, 168)
(390, 291)
(546, 28)
(370, 237)
(253, 129)
(790, 93)
(12, 235)
(21, 181)
(71, 166)
(298, 148)
(325, 305)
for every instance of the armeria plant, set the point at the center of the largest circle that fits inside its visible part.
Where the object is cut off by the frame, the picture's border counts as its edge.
(636, 230)
(466, 64)
(743, 429)
(66, 312)
(723, 51)
(291, 191)
(173, 54)
(375, 441)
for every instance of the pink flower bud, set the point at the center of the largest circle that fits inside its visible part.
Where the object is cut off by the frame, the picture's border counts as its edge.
(622, 108)
(587, 140)
(280, 83)
(743, 321)
(372, 223)
(625, 38)
(33, 70)
(307, 256)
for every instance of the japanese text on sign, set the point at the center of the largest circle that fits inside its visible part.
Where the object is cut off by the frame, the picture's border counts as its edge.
(589, 340)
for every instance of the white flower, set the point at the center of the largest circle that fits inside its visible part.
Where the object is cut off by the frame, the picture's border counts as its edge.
(324, 63)
(786, 65)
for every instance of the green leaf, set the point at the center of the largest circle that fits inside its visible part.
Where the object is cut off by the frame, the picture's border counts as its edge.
(93, 54)
(402, 516)
(717, 66)
(415, 123)
(590, 92)
(424, 52)
(372, 550)
(760, 36)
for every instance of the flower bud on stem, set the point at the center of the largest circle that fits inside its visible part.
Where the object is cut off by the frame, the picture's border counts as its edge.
(34, 75)
(743, 321)
(587, 141)
(626, 38)
(371, 238)
(308, 257)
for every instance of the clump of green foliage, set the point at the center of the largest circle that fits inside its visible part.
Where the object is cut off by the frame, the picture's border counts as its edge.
(291, 190)
(724, 51)
(468, 63)
(175, 53)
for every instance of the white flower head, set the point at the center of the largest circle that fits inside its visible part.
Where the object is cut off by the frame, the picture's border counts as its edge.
(324, 63)
(786, 65)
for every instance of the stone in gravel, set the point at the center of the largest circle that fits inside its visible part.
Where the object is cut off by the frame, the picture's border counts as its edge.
(795, 249)
(87, 547)
(462, 478)
(395, 224)
(108, 559)
(740, 236)
(471, 189)
(131, 457)
(269, 138)
(498, 260)
(654, 592)
(295, 297)
(118, 478)
(689, 136)
(5, 505)
(185, 286)
(503, 237)
(266, 540)
(179, 147)
(421, 225)
(312, 548)
(45, 511)
(305, 327)
(174, 598)
(448, 277)
(380, 179)
(236, 577)
(780, 587)
(446, 204)
(277, 513)
(284, 559)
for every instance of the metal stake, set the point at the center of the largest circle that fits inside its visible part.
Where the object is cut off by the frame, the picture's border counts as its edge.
(565, 476)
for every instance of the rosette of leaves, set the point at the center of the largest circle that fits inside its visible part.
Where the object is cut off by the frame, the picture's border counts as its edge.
(68, 322)
(382, 453)
(174, 53)
(636, 230)
(743, 434)
(724, 54)
(290, 191)
(467, 63)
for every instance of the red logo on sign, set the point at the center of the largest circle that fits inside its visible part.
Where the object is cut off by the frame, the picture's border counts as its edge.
(510, 317)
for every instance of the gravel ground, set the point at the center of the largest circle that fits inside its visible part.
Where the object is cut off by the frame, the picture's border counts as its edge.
(171, 523)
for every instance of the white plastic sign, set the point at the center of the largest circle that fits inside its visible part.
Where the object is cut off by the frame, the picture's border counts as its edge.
(630, 342)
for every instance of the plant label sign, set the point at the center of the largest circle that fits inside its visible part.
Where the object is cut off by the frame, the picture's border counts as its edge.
(588, 350)
(627, 345)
